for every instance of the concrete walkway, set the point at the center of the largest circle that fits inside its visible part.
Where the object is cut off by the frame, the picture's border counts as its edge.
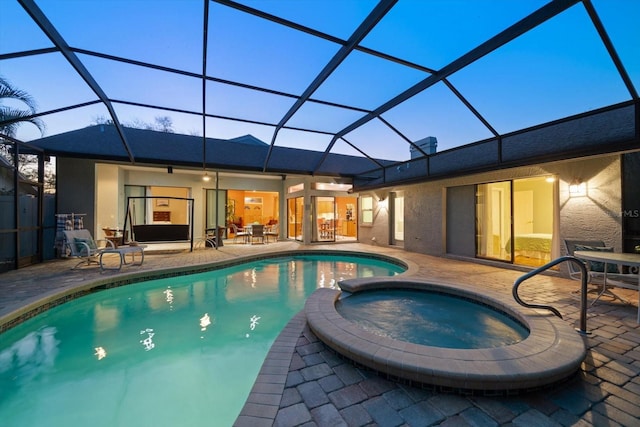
(304, 383)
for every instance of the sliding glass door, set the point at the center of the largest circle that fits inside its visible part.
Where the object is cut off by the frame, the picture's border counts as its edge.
(515, 221)
(295, 207)
(325, 219)
(216, 209)
(493, 220)
(397, 217)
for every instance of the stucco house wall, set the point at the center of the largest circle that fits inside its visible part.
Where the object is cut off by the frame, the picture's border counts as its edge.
(594, 216)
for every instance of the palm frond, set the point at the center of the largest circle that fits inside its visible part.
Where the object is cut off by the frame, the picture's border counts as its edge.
(11, 117)
(7, 91)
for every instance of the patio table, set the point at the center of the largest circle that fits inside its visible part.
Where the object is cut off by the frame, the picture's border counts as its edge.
(631, 260)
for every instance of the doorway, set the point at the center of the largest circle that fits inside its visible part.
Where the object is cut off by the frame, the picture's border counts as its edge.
(397, 218)
(335, 219)
(325, 219)
(295, 210)
(493, 220)
(515, 220)
(533, 220)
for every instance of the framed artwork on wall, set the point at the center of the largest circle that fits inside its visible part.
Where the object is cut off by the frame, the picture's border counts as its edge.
(253, 200)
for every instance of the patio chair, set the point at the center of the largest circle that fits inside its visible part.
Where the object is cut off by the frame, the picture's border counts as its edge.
(81, 245)
(214, 237)
(239, 232)
(257, 232)
(614, 276)
(271, 231)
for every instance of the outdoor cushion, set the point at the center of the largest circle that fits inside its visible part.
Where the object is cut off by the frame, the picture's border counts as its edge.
(598, 266)
(79, 244)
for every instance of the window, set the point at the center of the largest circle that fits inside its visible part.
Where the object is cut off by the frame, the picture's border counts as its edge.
(366, 209)
(331, 186)
(295, 188)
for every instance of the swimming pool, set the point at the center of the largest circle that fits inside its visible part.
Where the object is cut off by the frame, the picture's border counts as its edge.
(175, 351)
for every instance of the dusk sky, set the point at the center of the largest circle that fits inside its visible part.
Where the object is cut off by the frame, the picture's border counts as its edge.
(556, 70)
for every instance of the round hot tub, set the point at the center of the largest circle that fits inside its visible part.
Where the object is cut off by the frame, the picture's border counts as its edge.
(431, 318)
(536, 350)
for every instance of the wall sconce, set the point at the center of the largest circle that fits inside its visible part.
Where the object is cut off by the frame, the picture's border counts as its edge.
(206, 177)
(577, 188)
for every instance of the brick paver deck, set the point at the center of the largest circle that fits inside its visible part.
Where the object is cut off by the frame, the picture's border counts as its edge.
(303, 383)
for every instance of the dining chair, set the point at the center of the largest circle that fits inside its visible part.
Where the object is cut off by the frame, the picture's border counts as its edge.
(257, 232)
(239, 232)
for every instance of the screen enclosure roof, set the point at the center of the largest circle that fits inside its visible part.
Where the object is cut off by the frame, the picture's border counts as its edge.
(358, 78)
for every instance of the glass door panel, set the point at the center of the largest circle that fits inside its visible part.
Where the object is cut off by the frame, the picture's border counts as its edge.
(216, 211)
(493, 221)
(294, 218)
(324, 219)
(216, 208)
(346, 226)
(397, 213)
(533, 220)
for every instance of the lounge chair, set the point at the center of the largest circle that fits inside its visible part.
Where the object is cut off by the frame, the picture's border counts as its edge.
(81, 245)
(614, 275)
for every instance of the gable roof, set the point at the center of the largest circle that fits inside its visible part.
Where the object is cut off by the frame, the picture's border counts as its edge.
(248, 139)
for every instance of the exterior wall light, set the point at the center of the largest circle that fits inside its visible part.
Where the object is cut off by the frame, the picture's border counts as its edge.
(577, 188)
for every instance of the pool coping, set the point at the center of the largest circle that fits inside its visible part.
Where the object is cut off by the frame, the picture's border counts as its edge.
(262, 404)
(551, 353)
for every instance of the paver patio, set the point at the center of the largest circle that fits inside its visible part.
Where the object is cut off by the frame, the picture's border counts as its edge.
(302, 382)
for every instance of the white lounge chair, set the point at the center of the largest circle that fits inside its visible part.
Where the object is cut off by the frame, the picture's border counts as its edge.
(81, 245)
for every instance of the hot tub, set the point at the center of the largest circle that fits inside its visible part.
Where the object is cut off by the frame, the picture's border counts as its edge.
(550, 353)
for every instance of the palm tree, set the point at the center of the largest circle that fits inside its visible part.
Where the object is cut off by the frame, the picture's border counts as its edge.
(12, 117)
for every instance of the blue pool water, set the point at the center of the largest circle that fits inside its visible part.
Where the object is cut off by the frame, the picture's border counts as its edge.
(181, 351)
(431, 318)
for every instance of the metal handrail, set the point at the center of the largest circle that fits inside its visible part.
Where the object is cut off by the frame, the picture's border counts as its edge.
(583, 296)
